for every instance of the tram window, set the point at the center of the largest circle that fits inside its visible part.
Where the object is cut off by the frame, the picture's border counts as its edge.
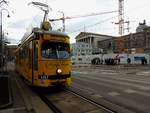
(55, 50)
(49, 50)
(49, 53)
(35, 56)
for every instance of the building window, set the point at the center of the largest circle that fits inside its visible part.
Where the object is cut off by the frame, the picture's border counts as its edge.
(80, 59)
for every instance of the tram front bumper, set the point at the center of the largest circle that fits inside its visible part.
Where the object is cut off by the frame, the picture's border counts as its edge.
(53, 80)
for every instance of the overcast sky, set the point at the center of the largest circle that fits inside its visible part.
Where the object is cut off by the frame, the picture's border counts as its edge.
(25, 15)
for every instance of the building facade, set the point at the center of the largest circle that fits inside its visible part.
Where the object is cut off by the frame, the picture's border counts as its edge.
(10, 52)
(81, 48)
(138, 42)
(91, 38)
(147, 40)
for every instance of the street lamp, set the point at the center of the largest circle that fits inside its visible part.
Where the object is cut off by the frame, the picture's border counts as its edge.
(1, 34)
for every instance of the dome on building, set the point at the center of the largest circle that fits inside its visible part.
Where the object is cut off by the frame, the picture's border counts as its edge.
(141, 26)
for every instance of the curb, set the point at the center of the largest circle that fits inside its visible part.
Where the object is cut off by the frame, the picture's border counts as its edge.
(9, 93)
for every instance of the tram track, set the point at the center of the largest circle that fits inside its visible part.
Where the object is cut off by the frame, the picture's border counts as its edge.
(49, 103)
(100, 99)
(91, 101)
(69, 101)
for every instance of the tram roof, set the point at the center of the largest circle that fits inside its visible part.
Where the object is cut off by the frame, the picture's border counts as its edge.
(27, 35)
(52, 32)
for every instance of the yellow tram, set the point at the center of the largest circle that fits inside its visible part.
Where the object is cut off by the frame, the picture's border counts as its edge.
(43, 57)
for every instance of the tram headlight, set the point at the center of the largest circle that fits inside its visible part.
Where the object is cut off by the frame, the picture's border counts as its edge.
(59, 71)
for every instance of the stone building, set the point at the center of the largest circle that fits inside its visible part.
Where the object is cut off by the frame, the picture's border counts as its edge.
(141, 26)
(11, 52)
(147, 40)
(91, 38)
(81, 48)
(107, 45)
(138, 42)
(135, 42)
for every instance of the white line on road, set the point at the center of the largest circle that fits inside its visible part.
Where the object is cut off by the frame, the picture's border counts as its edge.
(130, 91)
(113, 93)
(144, 73)
(79, 72)
(144, 88)
(97, 96)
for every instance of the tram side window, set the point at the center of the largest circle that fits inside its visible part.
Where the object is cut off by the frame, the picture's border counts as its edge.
(29, 56)
(35, 56)
(24, 53)
(19, 62)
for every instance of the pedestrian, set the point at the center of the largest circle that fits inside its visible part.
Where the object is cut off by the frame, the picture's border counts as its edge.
(128, 60)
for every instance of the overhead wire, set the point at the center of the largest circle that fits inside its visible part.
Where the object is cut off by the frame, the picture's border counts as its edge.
(93, 25)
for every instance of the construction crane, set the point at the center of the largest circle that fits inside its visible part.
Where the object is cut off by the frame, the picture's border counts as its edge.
(78, 16)
(121, 21)
(121, 17)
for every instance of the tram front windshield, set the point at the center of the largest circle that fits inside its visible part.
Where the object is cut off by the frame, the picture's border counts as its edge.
(55, 50)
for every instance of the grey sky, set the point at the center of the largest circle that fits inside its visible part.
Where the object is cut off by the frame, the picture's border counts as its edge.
(25, 16)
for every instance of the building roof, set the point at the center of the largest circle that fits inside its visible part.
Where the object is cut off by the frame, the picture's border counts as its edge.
(12, 46)
(89, 33)
(141, 26)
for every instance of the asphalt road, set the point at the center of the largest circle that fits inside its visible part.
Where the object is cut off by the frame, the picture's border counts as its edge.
(128, 88)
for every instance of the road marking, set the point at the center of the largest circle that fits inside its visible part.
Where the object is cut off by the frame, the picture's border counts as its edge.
(79, 72)
(113, 93)
(112, 73)
(97, 96)
(144, 88)
(144, 73)
(129, 91)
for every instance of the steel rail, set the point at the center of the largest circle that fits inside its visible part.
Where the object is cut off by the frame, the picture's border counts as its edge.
(90, 101)
(50, 104)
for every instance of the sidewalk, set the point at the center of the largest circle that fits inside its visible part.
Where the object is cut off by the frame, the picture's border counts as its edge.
(5, 95)
(24, 99)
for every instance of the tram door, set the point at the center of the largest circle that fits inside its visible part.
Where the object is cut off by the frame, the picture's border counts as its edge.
(35, 60)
